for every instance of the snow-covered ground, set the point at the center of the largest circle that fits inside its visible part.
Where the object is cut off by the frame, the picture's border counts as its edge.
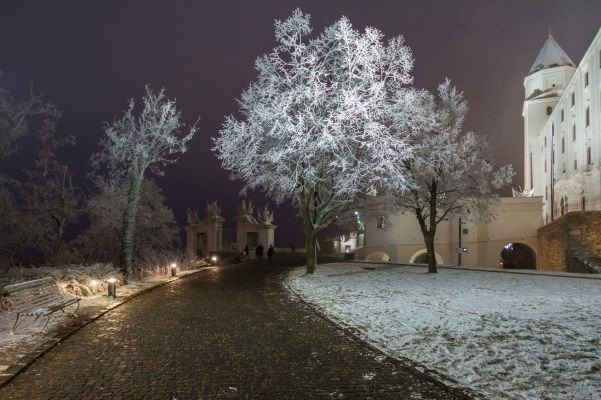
(503, 335)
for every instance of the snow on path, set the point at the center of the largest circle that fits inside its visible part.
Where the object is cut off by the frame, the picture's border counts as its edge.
(510, 336)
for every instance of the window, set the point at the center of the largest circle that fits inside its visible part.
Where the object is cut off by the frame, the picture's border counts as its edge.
(545, 165)
(575, 164)
(573, 99)
(583, 203)
(545, 141)
(588, 155)
(381, 222)
(563, 168)
(574, 132)
(563, 145)
(562, 115)
(546, 192)
(586, 79)
(549, 110)
(587, 116)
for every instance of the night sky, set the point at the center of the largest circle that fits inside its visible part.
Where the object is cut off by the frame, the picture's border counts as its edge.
(90, 57)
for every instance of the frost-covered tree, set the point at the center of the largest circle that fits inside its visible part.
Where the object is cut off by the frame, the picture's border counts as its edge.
(451, 172)
(315, 126)
(138, 144)
(156, 229)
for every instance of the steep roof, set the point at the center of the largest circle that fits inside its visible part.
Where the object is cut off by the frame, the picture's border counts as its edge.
(551, 55)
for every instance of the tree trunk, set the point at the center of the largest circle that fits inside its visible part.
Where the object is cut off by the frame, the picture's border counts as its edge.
(311, 253)
(129, 225)
(429, 239)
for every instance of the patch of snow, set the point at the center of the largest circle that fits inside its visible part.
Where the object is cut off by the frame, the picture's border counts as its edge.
(369, 376)
(504, 335)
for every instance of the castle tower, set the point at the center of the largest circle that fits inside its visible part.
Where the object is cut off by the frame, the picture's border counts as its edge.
(544, 84)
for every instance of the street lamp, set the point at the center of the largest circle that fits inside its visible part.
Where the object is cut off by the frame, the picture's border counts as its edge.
(173, 269)
(214, 259)
(112, 288)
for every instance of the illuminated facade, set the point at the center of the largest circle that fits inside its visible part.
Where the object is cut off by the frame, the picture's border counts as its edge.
(562, 129)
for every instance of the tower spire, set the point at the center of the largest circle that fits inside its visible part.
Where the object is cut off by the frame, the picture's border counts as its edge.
(551, 55)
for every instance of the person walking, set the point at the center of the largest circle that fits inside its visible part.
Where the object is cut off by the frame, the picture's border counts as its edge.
(259, 252)
(270, 253)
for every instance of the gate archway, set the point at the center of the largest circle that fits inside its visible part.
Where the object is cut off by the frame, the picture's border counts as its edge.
(378, 256)
(518, 256)
(421, 257)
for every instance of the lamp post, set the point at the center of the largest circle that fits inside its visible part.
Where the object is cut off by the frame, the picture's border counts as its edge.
(173, 269)
(112, 288)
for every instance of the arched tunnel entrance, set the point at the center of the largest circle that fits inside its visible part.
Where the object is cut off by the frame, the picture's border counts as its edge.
(518, 256)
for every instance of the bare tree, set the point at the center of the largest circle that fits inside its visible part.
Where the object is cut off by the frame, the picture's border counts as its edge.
(451, 172)
(315, 124)
(38, 205)
(49, 194)
(15, 116)
(136, 144)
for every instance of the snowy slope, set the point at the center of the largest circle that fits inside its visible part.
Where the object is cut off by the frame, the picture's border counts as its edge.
(504, 335)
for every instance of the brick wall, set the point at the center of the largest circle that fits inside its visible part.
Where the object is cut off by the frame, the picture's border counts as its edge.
(575, 235)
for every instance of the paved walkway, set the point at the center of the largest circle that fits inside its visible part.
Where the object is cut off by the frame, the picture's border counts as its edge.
(223, 334)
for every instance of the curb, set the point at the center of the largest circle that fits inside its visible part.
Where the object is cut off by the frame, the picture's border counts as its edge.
(355, 335)
(15, 370)
(574, 275)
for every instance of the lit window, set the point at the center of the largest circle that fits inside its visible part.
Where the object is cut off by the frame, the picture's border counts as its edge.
(381, 222)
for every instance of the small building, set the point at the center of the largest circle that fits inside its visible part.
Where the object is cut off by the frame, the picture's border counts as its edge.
(206, 235)
(253, 230)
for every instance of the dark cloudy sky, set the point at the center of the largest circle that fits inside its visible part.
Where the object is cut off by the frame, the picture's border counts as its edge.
(89, 57)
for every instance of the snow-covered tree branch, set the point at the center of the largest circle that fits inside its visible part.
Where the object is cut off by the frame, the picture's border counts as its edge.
(451, 172)
(317, 125)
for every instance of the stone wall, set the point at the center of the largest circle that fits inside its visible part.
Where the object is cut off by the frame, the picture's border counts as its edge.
(569, 242)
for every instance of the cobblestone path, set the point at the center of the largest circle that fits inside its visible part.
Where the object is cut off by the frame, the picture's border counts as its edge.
(231, 333)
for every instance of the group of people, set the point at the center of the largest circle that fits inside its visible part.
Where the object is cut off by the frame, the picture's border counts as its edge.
(259, 252)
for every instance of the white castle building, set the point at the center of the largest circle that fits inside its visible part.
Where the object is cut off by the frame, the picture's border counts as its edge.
(562, 130)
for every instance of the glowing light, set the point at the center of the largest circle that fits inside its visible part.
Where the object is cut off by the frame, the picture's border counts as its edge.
(111, 280)
(94, 282)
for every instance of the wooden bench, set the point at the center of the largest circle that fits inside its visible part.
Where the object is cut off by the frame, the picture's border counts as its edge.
(38, 298)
